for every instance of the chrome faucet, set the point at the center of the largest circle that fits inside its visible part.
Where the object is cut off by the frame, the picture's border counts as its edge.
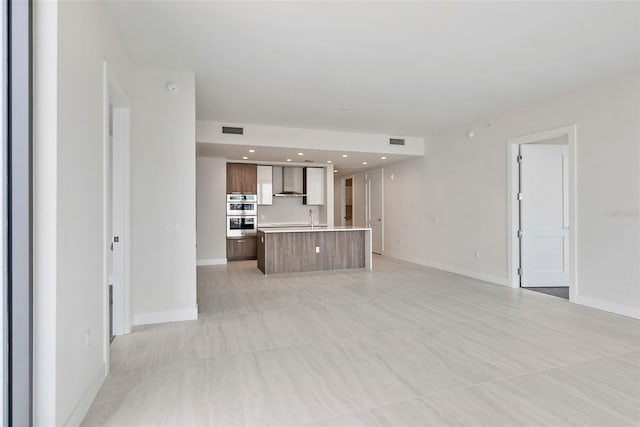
(311, 218)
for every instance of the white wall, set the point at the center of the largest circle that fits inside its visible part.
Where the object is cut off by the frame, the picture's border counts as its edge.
(212, 210)
(273, 136)
(45, 78)
(71, 42)
(287, 210)
(68, 220)
(85, 39)
(459, 191)
(163, 192)
(406, 210)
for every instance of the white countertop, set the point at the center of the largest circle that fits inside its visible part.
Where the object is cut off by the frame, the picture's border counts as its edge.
(307, 229)
(287, 224)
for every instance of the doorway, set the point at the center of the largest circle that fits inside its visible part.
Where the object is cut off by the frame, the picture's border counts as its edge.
(347, 201)
(116, 210)
(374, 193)
(542, 204)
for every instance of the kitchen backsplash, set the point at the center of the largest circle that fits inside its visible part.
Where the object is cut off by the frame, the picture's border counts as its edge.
(287, 210)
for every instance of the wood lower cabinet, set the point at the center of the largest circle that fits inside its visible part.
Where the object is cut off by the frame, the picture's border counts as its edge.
(313, 250)
(241, 249)
(242, 178)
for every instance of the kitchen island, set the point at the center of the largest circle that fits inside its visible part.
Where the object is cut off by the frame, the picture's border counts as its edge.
(296, 249)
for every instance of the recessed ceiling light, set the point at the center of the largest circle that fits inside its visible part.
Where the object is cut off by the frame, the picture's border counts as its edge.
(300, 154)
(364, 163)
(329, 161)
(345, 155)
(252, 151)
(335, 171)
(288, 160)
(383, 158)
(245, 158)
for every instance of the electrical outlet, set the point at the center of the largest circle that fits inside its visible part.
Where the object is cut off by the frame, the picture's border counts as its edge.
(87, 339)
(477, 254)
(317, 249)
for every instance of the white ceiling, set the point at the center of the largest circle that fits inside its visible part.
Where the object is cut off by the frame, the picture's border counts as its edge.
(277, 155)
(407, 68)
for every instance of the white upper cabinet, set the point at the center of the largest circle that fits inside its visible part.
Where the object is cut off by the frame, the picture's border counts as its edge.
(313, 186)
(265, 185)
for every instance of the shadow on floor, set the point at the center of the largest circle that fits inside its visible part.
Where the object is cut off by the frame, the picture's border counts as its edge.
(560, 291)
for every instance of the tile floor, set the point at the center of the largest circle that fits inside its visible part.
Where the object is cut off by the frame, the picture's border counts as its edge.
(404, 345)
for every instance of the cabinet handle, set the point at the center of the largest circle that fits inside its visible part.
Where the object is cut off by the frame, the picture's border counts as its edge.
(240, 241)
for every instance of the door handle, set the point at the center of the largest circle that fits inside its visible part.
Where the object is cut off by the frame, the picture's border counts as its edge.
(115, 239)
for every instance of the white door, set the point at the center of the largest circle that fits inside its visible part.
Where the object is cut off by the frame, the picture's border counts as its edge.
(544, 215)
(117, 246)
(375, 211)
(109, 220)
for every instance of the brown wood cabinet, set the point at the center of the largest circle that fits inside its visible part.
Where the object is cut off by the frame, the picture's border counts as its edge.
(242, 178)
(306, 250)
(239, 249)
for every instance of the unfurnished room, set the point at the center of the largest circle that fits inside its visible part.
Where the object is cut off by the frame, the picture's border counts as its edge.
(320, 213)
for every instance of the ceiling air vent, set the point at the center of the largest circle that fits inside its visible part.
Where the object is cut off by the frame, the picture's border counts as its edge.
(396, 141)
(309, 161)
(232, 130)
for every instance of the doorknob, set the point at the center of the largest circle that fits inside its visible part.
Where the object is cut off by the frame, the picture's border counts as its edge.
(115, 239)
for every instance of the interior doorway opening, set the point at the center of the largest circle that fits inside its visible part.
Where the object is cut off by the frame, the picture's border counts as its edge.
(347, 201)
(542, 212)
(374, 194)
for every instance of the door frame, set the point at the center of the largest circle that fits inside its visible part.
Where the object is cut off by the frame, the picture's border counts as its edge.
(367, 204)
(115, 96)
(513, 183)
(343, 199)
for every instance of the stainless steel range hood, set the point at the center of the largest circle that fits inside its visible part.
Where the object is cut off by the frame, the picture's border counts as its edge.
(292, 184)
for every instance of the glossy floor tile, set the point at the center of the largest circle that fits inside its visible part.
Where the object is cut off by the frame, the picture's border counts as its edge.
(403, 345)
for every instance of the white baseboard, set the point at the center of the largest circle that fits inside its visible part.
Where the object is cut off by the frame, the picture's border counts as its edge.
(623, 310)
(166, 316)
(81, 409)
(497, 280)
(211, 261)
